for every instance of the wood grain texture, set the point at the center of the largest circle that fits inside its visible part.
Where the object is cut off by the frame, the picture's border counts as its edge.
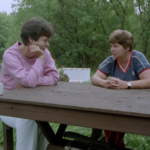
(108, 121)
(84, 97)
(81, 105)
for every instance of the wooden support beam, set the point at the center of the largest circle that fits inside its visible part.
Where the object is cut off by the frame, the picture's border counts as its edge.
(60, 133)
(8, 137)
(47, 131)
(54, 147)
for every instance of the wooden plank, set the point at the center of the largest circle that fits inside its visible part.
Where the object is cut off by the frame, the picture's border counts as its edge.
(8, 137)
(83, 146)
(85, 139)
(60, 132)
(122, 123)
(96, 134)
(84, 97)
(54, 147)
(47, 131)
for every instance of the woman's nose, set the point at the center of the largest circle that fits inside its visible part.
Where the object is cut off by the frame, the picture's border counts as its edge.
(47, 43)
(111, 49)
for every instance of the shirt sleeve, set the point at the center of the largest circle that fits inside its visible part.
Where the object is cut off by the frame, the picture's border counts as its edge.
(141, 63)
(19, 73)
(106, 66)
(51, 74)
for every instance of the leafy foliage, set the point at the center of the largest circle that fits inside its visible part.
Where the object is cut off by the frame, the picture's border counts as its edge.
(63, 77)
(82, 27)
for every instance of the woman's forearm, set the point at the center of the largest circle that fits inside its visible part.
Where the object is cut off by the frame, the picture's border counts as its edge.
(140, 84)
(98, 81)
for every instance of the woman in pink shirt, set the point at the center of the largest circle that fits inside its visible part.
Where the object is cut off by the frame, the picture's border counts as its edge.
(28, 65)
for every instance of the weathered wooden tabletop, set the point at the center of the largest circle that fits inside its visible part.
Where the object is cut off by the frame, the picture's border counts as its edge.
(83, 105)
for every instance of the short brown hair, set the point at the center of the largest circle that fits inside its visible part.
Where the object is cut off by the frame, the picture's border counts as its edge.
(35, 28)
(122, 37)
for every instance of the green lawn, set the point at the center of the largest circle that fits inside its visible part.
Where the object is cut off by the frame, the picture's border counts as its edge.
(136, 142)
(1, 134)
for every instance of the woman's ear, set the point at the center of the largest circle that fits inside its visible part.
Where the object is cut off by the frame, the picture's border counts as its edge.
(128, 48)
(30, 40)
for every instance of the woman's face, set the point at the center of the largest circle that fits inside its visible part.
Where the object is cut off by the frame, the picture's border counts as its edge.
(117, 50)
(42, 42)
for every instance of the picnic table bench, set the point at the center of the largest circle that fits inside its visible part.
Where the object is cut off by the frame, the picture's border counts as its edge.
(80, 105)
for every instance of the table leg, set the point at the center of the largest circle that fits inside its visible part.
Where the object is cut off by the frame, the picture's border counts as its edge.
(61, 131)
(47, 131)
(50, 135)
(54, 147)
(96, 134)
(8, 137)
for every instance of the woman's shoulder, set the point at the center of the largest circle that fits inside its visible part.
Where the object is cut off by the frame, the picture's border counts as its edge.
(137, 54)
(139, 57)
(110, 59)
(12, 50)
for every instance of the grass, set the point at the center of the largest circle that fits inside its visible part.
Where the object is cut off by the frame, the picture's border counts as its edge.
(1, 134)
(136, 142)
(133, 141)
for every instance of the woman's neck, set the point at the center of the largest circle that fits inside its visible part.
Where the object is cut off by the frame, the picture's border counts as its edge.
(124, 60)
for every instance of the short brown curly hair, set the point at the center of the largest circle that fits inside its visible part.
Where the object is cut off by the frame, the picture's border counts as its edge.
(123, 37)
(35, 28)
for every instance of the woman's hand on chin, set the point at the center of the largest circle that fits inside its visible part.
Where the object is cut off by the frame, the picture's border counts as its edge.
(37, 51)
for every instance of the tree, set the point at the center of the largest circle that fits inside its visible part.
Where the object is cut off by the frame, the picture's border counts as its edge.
(83, 27)
(4, 30)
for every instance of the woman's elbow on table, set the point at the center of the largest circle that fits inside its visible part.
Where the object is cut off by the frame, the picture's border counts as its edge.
(94, 80)
(145, 79)
(56, 79)
(97, 81)
(148, 83)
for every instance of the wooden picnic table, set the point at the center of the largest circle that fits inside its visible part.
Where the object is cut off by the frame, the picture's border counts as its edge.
(80, 105)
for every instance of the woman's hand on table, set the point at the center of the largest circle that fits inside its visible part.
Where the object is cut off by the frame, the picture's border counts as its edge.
(19, 86)
(116, 83)
(112, 83)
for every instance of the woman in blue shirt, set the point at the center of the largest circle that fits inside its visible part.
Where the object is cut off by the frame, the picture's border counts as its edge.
(125, 69)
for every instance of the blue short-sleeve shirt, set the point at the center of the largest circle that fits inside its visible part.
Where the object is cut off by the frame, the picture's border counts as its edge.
(136, 65)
